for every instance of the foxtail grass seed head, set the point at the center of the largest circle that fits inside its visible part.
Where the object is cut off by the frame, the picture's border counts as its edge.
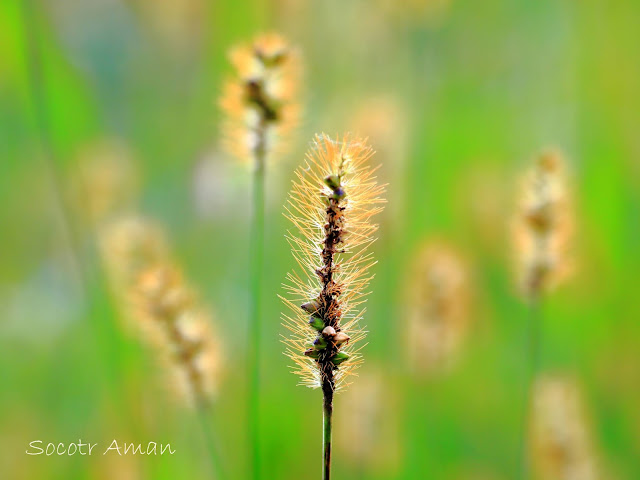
(261, 101)
(561, 446)
(331, 205)
(175, 323)
(159, 307)
(437, 307)
(543, 226)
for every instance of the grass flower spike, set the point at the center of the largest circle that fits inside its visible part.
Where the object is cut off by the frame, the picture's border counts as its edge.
(562, 445)
(331, 205)
(172, 319)
(154, 295)
(261, 101)
(438, 307)
(543, 226)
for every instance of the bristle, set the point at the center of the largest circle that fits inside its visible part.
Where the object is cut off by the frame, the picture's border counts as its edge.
(179, 328)
(260, 102)
(332, 202)
(543, 226)
(561, 440)
(437, 307)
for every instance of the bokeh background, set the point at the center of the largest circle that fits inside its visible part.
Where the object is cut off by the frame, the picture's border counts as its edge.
(457, 97)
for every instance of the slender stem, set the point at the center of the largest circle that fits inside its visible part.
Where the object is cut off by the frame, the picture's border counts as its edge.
(37, 86)
(211, 444)
(255, 271)
(534, 329)
(331, 315)
(327, 389)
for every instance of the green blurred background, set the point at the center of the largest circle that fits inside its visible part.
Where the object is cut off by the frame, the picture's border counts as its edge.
(456, 97)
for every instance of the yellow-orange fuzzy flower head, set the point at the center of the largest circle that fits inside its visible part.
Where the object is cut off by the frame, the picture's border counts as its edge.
(260, 102)
(543, 226)
(174, 322)
(561, 437)
(331, 205)
(438, 307)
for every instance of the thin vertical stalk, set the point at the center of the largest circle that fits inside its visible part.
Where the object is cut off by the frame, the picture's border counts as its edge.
(534, 329)
(256, 259)
(327, 389)
(37, 87)
(211, 444)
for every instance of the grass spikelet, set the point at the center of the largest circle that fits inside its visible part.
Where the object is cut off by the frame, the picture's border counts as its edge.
(543, 226)
(260, 102)
(181, 330)
(438, 307)
(331, 205)
(561, 443)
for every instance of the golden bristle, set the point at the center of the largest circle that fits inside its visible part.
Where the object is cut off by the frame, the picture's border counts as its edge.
(261, 101)
(437, 307)
(173, 321)
(543, 226)
(333, 169)
(561, 445)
